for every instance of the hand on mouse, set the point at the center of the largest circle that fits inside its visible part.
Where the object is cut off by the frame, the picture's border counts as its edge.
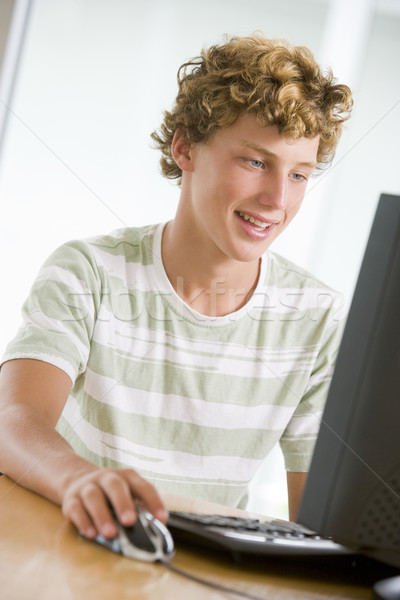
(86, 501)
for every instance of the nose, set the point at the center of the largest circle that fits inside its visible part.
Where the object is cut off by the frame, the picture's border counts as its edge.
(274, 192)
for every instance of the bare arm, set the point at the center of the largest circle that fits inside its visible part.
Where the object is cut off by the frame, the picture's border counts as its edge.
(32, 397)
(295, 484)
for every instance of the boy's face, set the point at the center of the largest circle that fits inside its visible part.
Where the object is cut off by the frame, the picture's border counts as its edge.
(245, 186)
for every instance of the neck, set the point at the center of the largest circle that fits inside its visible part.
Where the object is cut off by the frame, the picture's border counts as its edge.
(209, 282)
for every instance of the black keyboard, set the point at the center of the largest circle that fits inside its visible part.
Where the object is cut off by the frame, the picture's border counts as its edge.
(251, 536)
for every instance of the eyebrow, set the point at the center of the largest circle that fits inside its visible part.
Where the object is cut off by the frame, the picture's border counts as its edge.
(268, 153)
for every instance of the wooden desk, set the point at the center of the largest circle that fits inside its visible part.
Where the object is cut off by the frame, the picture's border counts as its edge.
(42, 557)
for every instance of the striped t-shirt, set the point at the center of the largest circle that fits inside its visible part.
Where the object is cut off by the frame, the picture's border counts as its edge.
(193, 403)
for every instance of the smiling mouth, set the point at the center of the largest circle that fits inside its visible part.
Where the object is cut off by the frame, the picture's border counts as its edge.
(260, 225)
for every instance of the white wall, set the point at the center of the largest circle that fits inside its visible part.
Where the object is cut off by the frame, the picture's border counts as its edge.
(95, 78)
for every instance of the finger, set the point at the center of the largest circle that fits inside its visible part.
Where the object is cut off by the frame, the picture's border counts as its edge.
(75, 512)
(147, 495)
(95, 503)
(118, 493)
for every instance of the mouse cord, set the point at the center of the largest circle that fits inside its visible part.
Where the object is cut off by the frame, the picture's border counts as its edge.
(215, 586)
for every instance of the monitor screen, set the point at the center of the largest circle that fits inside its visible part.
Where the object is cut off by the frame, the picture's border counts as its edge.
(353, 487)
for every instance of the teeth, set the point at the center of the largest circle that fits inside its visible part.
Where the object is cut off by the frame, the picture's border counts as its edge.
(260, 224)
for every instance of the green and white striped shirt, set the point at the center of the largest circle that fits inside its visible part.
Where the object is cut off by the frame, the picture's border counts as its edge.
(193, 403)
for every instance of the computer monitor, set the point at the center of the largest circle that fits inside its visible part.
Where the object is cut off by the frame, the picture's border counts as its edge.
(353, 488)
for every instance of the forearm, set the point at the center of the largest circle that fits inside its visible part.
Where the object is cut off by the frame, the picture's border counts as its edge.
(295, 484)
(35, 455)
(32, 397)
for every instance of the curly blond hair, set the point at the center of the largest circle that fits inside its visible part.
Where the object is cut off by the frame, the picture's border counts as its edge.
(281, 84)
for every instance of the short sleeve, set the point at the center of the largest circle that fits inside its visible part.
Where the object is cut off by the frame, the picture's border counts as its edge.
(59, 314)
(298, 440)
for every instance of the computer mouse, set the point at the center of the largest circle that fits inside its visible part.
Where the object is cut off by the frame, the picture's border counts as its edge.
(148, 539)
(387, 589)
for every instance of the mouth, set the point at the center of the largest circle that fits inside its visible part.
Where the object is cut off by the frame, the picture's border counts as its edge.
(258, 225)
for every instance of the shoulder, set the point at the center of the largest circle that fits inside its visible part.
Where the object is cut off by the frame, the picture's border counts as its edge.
(282, 272)
(123, 238)
(121, 246)
(291, 288)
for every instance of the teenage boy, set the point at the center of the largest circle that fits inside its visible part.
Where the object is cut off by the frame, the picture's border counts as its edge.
(174, 357)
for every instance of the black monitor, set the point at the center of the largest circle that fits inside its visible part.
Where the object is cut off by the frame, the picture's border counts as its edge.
(353, 488)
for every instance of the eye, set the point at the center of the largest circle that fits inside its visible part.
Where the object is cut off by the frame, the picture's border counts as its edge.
(298, 177)
(257, 164)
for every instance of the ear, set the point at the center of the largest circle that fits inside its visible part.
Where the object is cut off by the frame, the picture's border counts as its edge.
(181, 151)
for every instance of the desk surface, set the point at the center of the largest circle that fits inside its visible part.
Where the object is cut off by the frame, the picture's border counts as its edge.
(42, 556)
